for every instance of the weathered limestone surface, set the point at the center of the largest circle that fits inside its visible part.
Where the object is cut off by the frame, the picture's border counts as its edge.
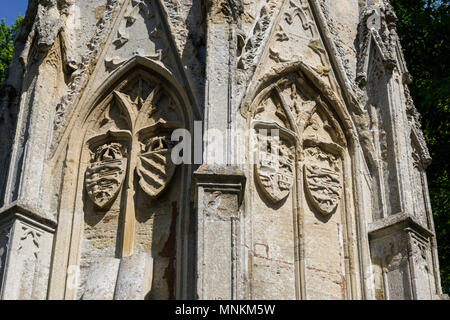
(94, 206)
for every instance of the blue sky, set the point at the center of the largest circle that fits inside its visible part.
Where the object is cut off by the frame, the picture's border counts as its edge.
(10, 10)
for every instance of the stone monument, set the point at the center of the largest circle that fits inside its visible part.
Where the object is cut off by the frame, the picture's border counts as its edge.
(100, 95)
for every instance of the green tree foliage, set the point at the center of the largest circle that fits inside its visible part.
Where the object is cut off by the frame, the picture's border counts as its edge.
(7, 35)
(424, 31)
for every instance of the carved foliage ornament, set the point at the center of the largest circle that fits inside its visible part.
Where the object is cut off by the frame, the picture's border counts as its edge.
(29, 241)
(145, 148)
(378, 30)
(248, 49)
(79, 78)
(275, 160)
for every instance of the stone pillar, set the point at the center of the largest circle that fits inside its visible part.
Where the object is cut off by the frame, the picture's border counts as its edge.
(218, 195)
(219, 114)
(402, 259)
(26, 241)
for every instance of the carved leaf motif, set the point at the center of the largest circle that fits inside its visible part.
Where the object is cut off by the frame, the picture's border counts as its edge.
(146, 108)
(29, 242)
(275, 56)
(323, 187)
(252, 44)
(281, 35)
(154, 167)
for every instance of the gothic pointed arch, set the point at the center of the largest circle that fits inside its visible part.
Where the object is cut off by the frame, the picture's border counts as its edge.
(149, 69)
(303, 189)
(129, 195)
(302, 75)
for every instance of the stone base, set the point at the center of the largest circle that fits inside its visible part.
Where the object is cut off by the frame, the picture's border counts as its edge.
(402, 257)
(26, 241)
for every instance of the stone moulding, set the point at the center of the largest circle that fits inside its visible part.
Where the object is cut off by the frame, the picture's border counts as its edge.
(293, 67)
(220, 178)
(18, 210)
(396, 222)
(80, 76)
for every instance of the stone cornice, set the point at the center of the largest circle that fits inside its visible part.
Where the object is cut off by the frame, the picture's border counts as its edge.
(396, 222)
(223, 178)
(17, 210)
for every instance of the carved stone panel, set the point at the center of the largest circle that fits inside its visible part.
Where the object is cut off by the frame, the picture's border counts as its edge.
(140, 33)
(423, 267)
(274, 145)
(275, 161)
(131, 204)
(149, 140)
(155, 167)
(418, 184)
(323, 182)
(28, 249)
(403, 266)
(29, 254)
(313, 211)
(106, 173)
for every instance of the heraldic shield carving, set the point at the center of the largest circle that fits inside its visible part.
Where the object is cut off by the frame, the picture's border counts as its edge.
(155, 167)
(275, 160)
(106, 173)
(142, 118)
(322, 180)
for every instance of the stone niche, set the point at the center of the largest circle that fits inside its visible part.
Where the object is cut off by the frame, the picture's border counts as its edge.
(300, 207)
(129, 195)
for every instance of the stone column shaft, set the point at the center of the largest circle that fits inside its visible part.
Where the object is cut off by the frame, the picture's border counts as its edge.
(219, 192)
